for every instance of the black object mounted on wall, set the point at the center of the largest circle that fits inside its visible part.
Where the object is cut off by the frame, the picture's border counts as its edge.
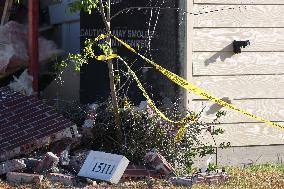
(240, 44)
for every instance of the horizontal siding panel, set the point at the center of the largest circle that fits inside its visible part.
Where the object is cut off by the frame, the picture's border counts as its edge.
(228, 63)
(221, 39)
(239, 16)
(250, 134)
(240, 87)
(270, 109)
(248, 2)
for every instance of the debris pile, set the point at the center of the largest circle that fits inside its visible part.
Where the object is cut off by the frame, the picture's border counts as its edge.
(37, 143)
(210, 178)
(14, 49)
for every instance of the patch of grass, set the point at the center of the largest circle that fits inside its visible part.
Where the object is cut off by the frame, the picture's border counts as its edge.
(253, 177)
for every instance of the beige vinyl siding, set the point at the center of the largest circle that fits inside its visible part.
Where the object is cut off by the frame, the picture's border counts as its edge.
(246, 2)
(244, 134)
(224, 63)
(252, 80)
(268, 108)
(239, 16)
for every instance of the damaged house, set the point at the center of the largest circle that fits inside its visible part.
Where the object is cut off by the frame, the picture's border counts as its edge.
(27, 54)
(215, 44)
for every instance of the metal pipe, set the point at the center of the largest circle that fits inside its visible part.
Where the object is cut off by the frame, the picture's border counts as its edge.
(33, 14)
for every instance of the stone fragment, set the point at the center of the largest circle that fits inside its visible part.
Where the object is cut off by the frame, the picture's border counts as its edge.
(77, 160)
(50, 161)
(12, 165)
(62, 149)
(210, 178)
(61, 145)
(21, 178)
(64, 179)
(181, 181)
(91, 182)
(158, 162)
(64, 157)
(32, 164)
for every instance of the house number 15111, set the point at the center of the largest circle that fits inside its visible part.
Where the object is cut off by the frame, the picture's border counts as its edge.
(103, 168)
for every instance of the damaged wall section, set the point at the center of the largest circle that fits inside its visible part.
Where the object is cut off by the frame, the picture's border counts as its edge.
(26, 124)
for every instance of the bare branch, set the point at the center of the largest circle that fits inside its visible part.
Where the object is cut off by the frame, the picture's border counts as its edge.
(132, 8)
(102, 11)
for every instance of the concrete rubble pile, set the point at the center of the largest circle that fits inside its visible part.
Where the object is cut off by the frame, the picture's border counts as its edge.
(34, 170)
(61, 158)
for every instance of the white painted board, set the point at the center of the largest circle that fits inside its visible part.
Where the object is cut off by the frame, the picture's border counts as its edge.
(104, 166)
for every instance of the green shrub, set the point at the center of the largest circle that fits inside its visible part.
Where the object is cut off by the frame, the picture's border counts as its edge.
(143, 131)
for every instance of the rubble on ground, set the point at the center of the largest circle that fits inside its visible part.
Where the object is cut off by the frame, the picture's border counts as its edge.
(46, 146)
(47, 166)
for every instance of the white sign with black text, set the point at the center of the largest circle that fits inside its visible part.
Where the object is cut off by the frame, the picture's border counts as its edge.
(104, 166)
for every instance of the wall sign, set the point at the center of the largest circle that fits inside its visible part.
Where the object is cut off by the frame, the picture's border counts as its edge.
(104, 166)
(134, 27)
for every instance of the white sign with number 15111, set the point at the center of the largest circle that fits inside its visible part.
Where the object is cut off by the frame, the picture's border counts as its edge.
(104, 166)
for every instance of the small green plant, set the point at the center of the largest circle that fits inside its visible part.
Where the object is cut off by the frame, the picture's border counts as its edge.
(212, 167)
(85, 5)
(143, 131)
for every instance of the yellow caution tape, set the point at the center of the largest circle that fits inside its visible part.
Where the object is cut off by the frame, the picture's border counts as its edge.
(183, 122)
(191, 87)
(89, 52)
(104, 57)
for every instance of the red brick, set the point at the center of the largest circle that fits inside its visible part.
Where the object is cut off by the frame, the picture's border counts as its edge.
(19, 178)
(25, 119)
(158, 162)
(64, 179)
(138, 172)
(18, 101)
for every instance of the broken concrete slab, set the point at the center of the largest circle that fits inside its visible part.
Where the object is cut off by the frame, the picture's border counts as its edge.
(21, 178)
(26, 123)
(104, 166)
(12, 165)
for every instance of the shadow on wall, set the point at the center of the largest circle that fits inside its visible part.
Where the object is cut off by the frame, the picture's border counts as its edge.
(226, 52)
(213, 109)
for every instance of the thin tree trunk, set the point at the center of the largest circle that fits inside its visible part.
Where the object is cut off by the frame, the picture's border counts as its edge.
(106, 19)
